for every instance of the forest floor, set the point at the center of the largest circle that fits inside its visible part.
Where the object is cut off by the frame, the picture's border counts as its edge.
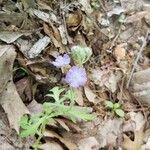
(36, 34)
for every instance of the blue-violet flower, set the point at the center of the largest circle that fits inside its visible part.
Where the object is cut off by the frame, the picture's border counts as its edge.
(76, 77)
(61, 61)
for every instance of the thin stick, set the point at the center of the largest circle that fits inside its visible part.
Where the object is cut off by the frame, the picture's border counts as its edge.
(114, 40)
(137, 58)
(65, 25)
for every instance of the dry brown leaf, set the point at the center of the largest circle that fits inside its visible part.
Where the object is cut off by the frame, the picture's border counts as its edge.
(120, 51)
(89, 94)
(109, 131)
(128, 144)
(89, 143)
(62, 123)
(50, 145)
(136, 17)
(138, 119)
(66, 142)
(13, 105)
(55, 36)
(140, 86)
(72, 125)
(7, 56)
(74, 19)
(34, 107)
(43, 5)
(9, 98)
(132, 5)
(112, 81)
(146, 145)
(23, 87)
(79, 97)
(147, 18)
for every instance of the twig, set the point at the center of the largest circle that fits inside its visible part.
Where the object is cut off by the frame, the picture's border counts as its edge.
(137, 58)
(114, 40)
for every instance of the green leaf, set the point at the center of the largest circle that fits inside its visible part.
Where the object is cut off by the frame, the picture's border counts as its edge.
(31, 130)
(122, 18)
(109, 104)
(116, 106)
(70, 95)
(76, 113)
(24, 122)
(37, 123)
(56, 93)
(120, 112)
(81, 54)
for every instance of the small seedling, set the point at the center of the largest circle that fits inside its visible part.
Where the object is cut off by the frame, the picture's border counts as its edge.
(36, 124)
(96, 4)
(115, 107)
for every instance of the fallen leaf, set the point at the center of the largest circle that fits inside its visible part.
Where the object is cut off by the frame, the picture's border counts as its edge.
(72, 126)
(62, 123)
(136, 17)
(132, 5)
(50, 145)
(79, 97)
(7, 56)
(28, 4)
(89, 94)
(106, 78)
(35, 107)
(138, 119)
(86, 6)
(109, 132)
(42, 5)
(37, 48)
(147, 18)
(89, 143)
(8, 18)
(140, 86)
(9, 37)
(146, 145)
(46, 17)
(23, 87)
(66, 142)
(9, 99)
(24, 45)
(13, 106)
(120, 51)
(97, 76)
(115, 11)
(111, 83)
(74, 19)
(128, 144)
(55, 36)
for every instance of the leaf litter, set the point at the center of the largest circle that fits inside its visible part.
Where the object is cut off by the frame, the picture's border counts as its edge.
(43, 30)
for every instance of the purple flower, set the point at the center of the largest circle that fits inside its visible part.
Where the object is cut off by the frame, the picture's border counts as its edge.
(76, 77)
(61, 61)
